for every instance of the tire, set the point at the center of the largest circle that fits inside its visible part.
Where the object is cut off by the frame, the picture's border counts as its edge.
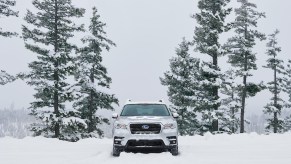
(174, 151)
(115, 152)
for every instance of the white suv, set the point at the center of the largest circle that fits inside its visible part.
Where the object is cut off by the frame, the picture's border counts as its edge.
(145, 125)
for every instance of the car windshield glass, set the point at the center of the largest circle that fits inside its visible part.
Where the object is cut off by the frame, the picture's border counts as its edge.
(145, 110)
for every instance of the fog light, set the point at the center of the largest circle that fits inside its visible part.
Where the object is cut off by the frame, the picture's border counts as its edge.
(172, 139)
(172, 142)
(117, 140)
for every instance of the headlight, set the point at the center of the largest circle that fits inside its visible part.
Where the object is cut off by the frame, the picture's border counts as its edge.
(169, 126)
(120, 126)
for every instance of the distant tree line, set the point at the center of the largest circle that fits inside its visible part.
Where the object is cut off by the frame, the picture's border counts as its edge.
(15, 123)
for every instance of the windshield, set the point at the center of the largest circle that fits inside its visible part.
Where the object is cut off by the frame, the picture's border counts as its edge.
(145, 110)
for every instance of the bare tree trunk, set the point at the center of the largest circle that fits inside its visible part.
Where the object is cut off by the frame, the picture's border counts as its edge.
(275, 99)
(91, 110)
(242, 114)
(275, 122)
(244, 95)
(232, 113)
(215, 94)
(91, 119)
(56, 74)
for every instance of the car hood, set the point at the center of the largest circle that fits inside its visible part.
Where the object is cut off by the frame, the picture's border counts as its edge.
(146, 119)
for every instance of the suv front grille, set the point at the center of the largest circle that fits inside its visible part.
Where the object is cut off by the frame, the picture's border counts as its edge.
(145, 128)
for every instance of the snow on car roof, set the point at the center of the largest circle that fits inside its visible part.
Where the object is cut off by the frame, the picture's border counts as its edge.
(144, 102)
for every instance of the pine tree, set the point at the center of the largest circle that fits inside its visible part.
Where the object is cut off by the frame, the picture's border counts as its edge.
(5, 10)
(93, 79)
(47, 35)
(183, 88)
(231, 102)
(275, 87)
(211, 22)
(240, 48)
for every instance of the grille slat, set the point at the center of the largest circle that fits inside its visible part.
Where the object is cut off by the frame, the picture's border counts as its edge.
(138, 128)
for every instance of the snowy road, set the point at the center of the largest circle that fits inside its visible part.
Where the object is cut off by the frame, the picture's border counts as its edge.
(219, 149)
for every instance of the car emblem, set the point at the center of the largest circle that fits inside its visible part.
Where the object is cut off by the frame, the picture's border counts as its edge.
(145, 127)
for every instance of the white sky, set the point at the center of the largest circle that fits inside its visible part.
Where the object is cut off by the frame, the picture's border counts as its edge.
(146, 33)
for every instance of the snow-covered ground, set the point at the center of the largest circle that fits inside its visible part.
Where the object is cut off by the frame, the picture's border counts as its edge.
(208, 149)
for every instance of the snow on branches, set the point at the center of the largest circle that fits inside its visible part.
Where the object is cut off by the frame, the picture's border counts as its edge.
(5, 78)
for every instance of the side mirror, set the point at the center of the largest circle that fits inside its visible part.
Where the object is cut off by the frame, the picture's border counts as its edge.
(175, 115)
(114, 115)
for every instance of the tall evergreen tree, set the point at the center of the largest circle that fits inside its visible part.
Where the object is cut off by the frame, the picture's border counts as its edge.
(47, 35)
(93, 79)
(275, 86)
(211, 23)
(6, 11)
(240, 48)
(183, 85)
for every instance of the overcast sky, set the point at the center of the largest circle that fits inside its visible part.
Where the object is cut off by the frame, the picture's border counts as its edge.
(146, 33)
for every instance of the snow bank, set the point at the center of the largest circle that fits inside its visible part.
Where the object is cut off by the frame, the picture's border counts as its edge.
(219, 149)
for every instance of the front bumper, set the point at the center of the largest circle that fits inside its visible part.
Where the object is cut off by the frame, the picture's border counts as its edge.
(144, 144)
(166, 139)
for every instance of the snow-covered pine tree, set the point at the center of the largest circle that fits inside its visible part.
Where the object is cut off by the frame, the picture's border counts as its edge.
(5, 10)
(240, 48)
(46, 34)
(183, 85)
(92, 78)
(275, 86)
(211, 23)
(231, 103)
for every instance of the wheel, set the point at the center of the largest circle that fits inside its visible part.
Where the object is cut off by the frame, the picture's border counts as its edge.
(174, 151)
(115, 152)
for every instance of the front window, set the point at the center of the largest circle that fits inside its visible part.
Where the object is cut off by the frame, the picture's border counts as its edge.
(145, 110)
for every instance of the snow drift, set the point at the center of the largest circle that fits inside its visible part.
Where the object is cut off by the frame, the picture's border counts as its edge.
(209, 149)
